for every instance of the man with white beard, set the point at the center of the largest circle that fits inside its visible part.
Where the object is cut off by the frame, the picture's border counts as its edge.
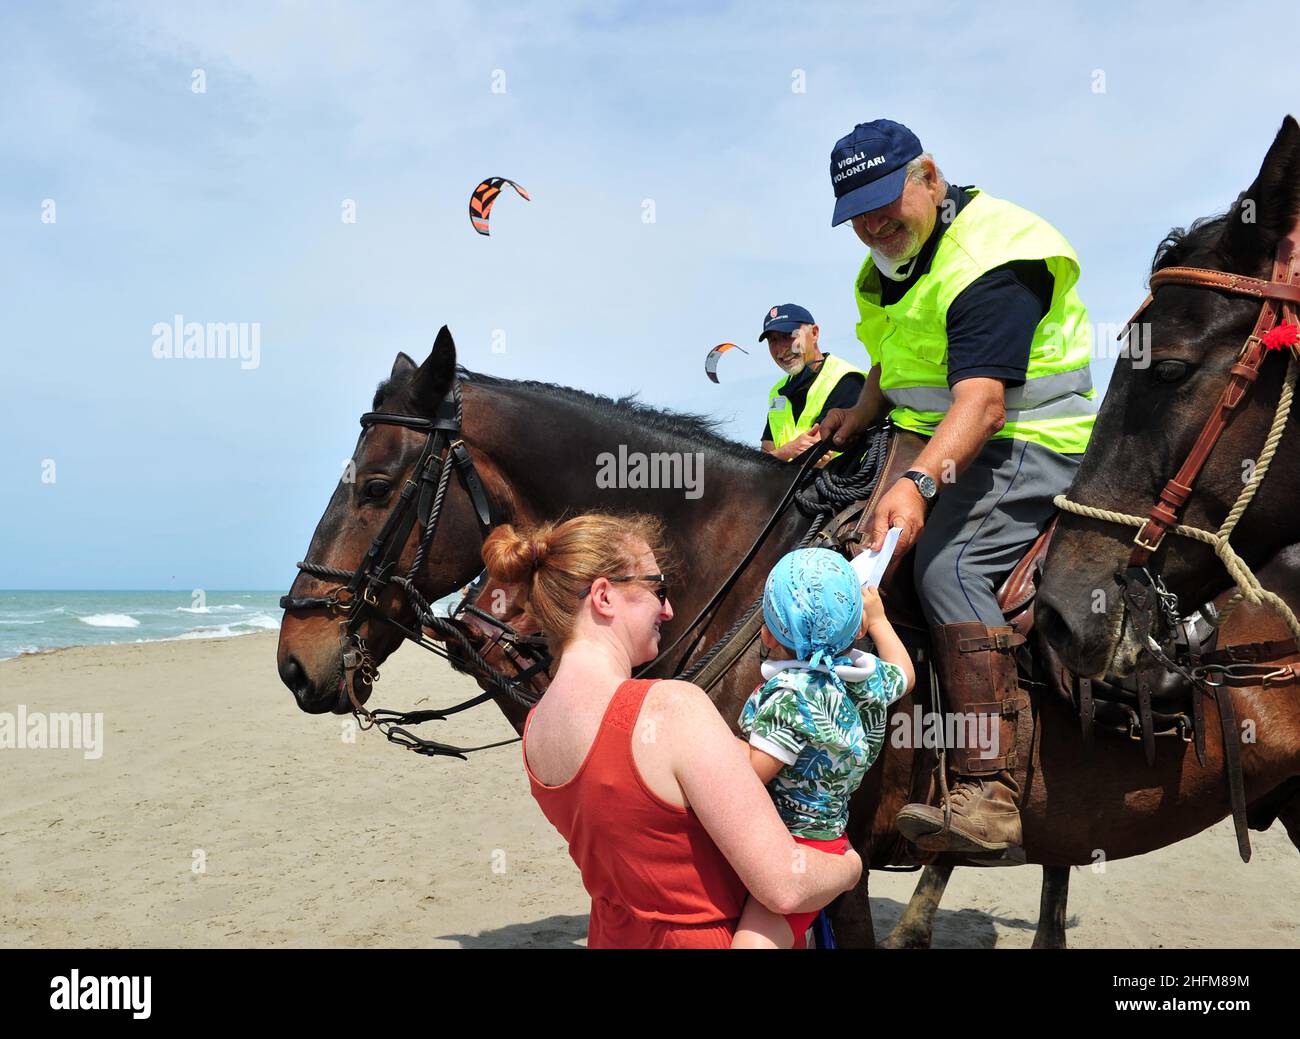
(813, 383)
(979, 343)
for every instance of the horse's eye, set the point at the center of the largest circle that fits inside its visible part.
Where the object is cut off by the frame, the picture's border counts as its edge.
(1171, 371)
(377, 488)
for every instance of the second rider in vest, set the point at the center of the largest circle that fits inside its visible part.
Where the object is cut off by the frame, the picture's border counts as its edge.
(813, 383)
(979, 342)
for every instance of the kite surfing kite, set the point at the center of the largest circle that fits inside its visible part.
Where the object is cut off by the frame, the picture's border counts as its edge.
(484, 197)
(715, 355)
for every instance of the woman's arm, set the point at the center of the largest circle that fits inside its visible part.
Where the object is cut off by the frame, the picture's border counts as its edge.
(723, 790)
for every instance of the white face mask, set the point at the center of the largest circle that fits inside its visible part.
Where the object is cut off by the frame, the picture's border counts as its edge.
(894, 270)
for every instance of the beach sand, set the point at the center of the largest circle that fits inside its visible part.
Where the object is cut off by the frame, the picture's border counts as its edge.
(309, 839)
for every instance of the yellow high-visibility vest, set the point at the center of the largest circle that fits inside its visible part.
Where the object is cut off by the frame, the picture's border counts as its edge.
(1056, 406)
(780, 416)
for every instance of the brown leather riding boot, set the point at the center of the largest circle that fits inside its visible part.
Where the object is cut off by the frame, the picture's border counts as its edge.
(977, 674)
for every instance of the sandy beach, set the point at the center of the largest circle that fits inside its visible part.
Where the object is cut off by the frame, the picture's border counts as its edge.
(307, 838)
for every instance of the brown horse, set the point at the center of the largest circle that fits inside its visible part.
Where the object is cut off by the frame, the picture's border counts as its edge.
(538, 449)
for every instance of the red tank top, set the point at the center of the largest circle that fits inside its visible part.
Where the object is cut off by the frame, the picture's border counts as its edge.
(655, 877)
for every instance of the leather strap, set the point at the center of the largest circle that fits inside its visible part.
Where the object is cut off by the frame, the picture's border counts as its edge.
(1144, 715)
(1001, 640)
(1086, 709)
(1194, 657)
(1283, 287)
(1251, 652)
(1279, 288)
(1232, 762)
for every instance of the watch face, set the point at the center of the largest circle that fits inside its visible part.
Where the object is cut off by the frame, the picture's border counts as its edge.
(924, 483)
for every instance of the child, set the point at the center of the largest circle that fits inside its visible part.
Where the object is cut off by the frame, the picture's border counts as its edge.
(818, 722)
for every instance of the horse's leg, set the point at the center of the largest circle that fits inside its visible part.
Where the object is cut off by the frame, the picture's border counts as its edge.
(1051, 908)
(915, 928)
(851, 917)
(1289, 813)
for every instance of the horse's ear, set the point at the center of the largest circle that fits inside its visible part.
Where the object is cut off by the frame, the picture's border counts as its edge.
(435, 376)
(1268, 210)
(401, 365)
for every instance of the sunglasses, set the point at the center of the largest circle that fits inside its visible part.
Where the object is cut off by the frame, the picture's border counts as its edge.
(661, 591)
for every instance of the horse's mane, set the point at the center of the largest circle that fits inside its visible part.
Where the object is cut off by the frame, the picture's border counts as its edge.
(1193, 246)
(628, 410)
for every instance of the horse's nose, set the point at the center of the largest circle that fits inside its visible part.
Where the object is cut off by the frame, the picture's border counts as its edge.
(1053, 626)
(294, 675)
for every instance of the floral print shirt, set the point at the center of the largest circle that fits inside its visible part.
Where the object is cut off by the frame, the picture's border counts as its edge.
(826, 739)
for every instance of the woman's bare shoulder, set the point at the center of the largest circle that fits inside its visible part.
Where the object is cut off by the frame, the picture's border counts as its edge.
(676, 701)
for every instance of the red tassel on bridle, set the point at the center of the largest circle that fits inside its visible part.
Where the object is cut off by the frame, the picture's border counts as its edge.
(1279, 337)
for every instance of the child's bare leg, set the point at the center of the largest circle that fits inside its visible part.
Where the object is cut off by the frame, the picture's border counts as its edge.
(760, 928)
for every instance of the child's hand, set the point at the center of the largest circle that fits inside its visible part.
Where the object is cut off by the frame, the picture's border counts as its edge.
(873, 609)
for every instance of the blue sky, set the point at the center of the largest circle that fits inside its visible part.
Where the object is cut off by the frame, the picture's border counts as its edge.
(225, 206)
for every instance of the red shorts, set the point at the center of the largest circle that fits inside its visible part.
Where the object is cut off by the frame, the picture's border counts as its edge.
(800, 922)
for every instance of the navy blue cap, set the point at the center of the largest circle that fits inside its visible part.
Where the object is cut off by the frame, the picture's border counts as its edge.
(785, 318)
(869, 167)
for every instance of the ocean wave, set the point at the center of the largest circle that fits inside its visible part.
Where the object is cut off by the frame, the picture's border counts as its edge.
(28, 616)
(211, 609)
(110, 620)
(223, 632)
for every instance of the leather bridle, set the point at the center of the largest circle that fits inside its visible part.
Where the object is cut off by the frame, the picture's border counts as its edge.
(421, 501)
(1279, 296)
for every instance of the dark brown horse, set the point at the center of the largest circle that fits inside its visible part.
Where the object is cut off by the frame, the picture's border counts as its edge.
(538, 449)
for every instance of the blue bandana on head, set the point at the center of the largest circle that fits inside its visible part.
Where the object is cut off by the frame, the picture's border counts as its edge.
(812, 604)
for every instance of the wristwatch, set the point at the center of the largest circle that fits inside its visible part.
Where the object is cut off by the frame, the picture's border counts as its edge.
(924, 483)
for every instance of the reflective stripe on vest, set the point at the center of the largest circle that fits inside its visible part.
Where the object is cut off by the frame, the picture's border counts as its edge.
(1056, 406)
(780, 417)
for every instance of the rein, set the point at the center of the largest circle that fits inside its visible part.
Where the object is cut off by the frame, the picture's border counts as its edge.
(1146, 603)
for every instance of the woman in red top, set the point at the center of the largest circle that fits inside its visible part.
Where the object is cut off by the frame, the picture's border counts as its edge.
(664, 816)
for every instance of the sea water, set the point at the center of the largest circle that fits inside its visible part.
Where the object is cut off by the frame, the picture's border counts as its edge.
(31, 622)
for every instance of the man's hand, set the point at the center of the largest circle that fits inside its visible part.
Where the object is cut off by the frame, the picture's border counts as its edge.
(842, 424)
(792, 449)
(803, 442)
(901, 506)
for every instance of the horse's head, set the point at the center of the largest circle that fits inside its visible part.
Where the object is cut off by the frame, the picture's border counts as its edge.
(1161, 393)
(324, 617)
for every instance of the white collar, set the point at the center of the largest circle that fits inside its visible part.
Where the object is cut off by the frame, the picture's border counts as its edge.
(861, 666)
